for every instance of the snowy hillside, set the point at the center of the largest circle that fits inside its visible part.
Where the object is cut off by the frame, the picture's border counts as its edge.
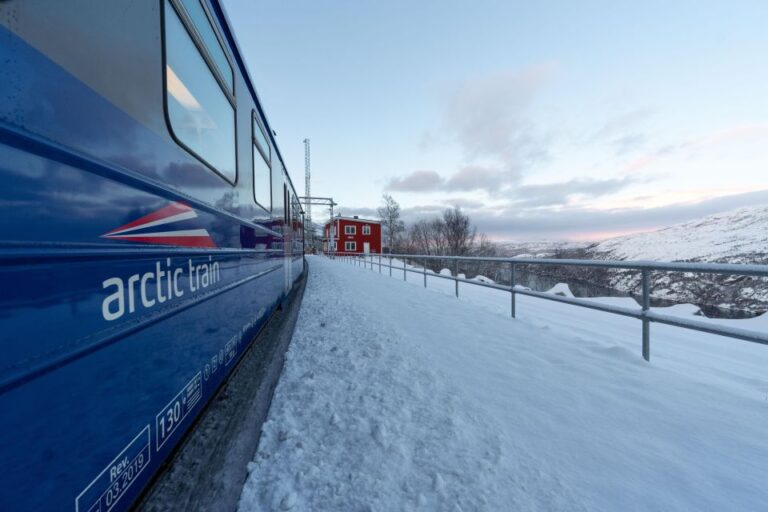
(739, 236)
(396, 397)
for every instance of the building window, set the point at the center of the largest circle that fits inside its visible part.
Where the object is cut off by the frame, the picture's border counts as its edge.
(200, 114)
(350, 230)
(262, 171)
(350, 246)
(366, 229)
(333, 246)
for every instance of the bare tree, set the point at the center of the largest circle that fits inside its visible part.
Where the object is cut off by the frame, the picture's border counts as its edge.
(486, 249)
(428, 237)
(419, 238)
(452, 234)
(392, 225)
(459, 232)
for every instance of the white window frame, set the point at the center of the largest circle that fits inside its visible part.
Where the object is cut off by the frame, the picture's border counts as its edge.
(350, 229)
(350, 246)
(367, 229)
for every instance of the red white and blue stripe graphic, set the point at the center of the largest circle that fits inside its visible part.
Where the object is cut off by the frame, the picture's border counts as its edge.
(157, 228)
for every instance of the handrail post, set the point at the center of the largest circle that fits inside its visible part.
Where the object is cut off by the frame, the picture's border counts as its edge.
(646, 322)
(512, 288)
(404, 279)
(456, 277)
(379, 263)
(425, 272)
(390, 265)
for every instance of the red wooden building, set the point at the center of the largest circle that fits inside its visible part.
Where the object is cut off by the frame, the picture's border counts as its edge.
(352, 234)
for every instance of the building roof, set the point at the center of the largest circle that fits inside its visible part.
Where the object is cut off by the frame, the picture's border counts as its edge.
(354, 219)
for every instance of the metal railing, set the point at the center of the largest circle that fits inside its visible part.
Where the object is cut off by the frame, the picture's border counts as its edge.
(644, 313)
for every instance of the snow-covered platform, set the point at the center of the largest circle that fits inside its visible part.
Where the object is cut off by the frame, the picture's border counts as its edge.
(398, 398)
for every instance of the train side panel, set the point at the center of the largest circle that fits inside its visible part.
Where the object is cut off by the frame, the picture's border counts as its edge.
(133, 277)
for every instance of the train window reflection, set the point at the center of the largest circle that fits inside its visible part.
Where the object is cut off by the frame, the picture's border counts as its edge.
(201, 117)
(262, 180)
(204, 28)
(260, 137)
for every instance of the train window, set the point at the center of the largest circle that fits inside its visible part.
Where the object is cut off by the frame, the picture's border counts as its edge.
(262, 180)
(260, 137)
(205, 30)
(201, 117)
(286, 203)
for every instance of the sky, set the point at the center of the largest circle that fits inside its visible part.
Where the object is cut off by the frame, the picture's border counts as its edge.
(541, 120)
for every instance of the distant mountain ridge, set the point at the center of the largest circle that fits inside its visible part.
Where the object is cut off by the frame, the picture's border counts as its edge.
(738, 236)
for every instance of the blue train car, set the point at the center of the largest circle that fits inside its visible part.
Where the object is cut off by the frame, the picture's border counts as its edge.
(148, 231)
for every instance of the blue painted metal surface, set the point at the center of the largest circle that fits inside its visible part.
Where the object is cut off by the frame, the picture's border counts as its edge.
(110, 347)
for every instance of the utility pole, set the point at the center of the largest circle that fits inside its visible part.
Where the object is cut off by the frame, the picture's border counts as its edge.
(308, 195)
(323, 201)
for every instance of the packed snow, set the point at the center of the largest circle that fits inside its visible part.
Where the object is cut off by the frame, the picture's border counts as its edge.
(396, 397)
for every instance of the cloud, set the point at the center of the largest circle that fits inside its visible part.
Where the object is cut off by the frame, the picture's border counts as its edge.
(467, 179)
(586, 223)
(417, 181)
(361, 211)
(701, 143)
(500, 184)
(477, 177)
(463, 203)
(622, 123)
(622, 132)
(555, 194)
(487, 116)
(628, 143)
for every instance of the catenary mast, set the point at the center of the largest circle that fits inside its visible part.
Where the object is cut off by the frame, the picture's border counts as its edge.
(308, 194)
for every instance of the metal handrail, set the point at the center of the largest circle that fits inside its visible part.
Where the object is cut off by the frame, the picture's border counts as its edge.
(643, 313)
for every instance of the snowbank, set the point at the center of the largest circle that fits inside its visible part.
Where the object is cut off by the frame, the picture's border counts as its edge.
(398, 398)
(561, 289)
